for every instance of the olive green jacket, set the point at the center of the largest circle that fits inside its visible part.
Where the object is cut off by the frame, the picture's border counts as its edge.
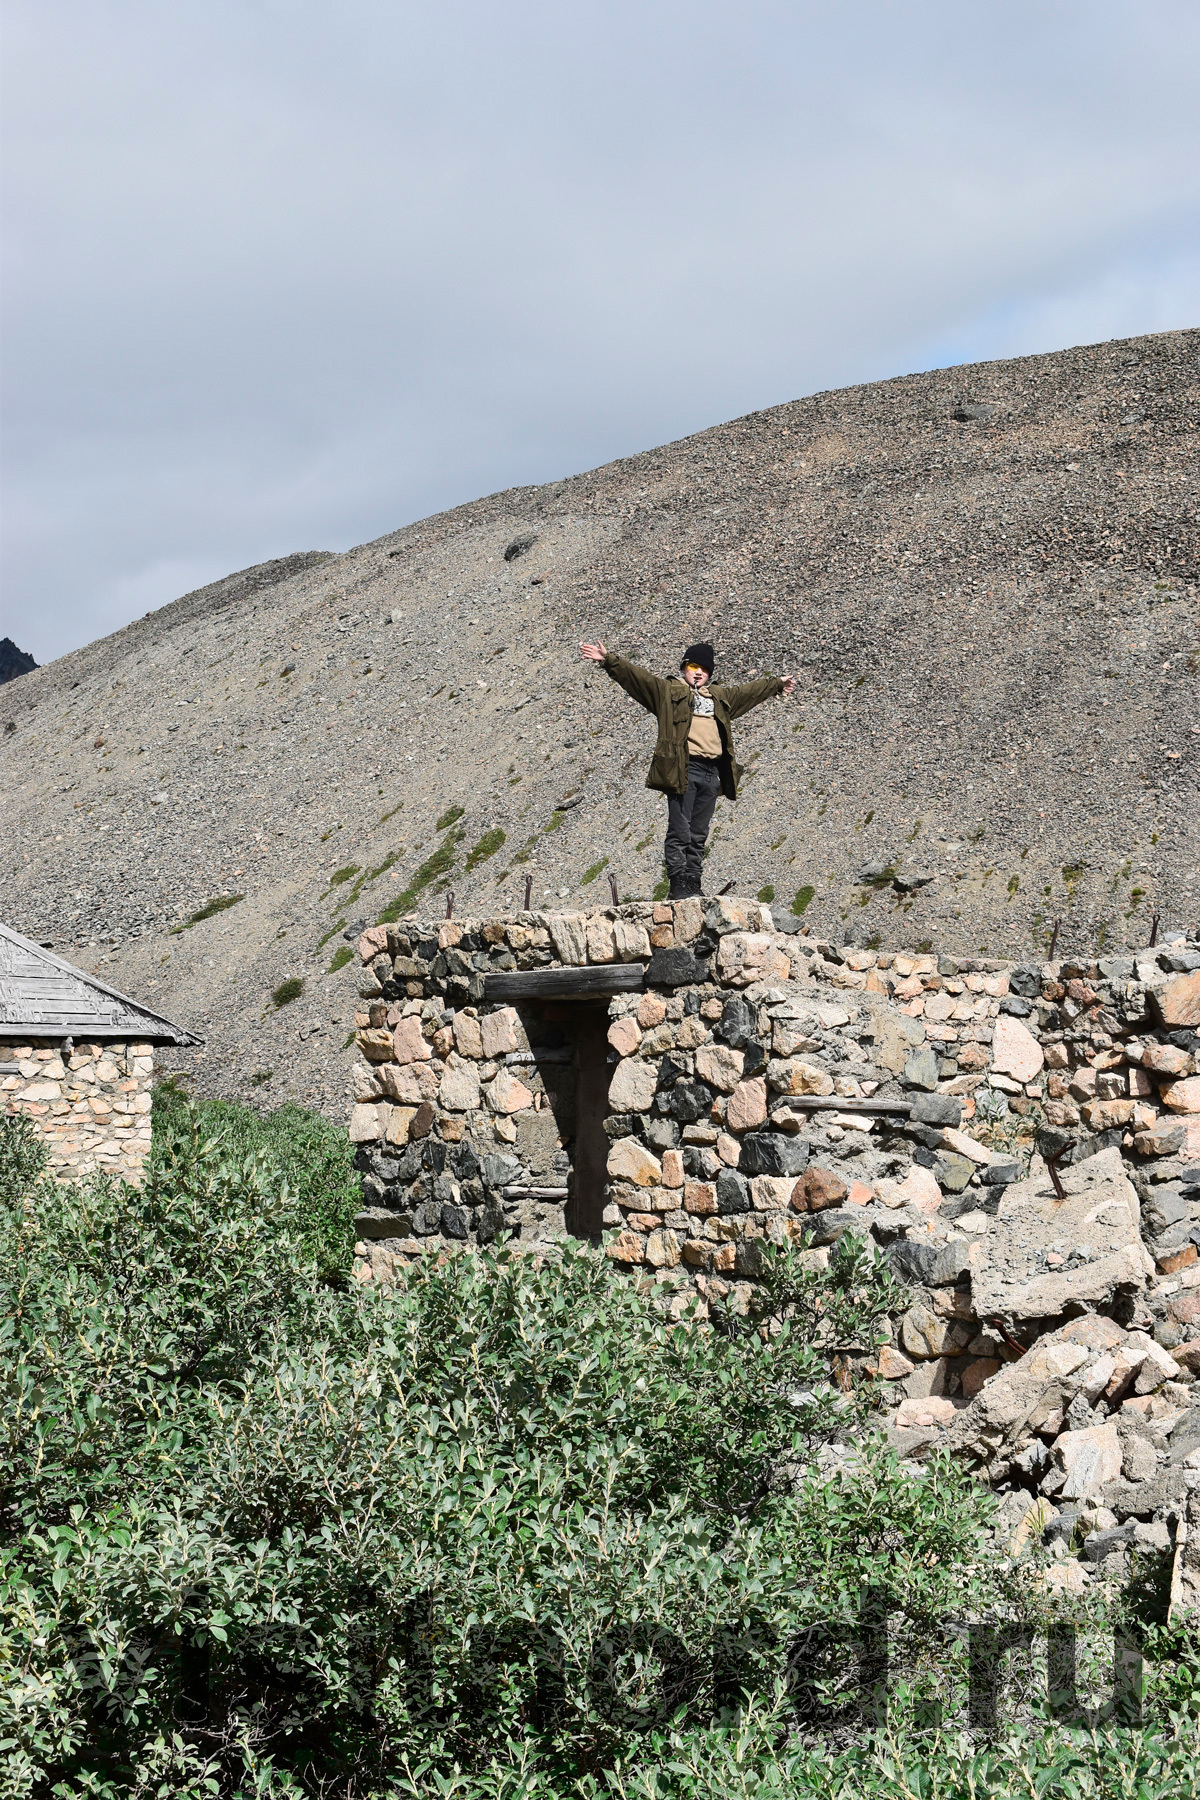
(670, 701)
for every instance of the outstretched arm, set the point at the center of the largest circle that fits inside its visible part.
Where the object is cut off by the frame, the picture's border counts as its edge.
(748, 694)
(639, 683)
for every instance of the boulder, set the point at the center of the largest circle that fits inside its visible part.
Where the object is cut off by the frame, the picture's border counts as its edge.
(921, 1070)
(1010, 1275)
(408, 1043)
(795, 1076)
(944, 1110)
(773, 1153)
(918, 1192)
(507, 1095)
(625, 1035)
(458, 1090)
(675, 967)
(501, 1033)
(818, 1188)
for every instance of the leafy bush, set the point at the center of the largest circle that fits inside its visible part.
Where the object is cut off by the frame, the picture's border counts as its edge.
(502, 1531)
(287, 991)
(301, 1151)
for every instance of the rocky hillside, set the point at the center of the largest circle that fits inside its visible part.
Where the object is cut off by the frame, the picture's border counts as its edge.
(985, 578)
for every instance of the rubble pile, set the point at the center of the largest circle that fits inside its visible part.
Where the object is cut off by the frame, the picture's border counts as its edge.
(1022, 1141)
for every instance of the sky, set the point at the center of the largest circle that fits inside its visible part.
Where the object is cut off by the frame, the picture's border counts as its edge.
(281, 275)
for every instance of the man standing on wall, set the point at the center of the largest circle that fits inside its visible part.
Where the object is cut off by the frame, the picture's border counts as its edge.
(693, 760)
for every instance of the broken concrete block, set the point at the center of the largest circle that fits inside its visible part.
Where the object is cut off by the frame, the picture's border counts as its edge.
(1009, 1273)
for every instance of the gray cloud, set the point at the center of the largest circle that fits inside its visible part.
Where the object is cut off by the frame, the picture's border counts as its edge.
(285, 276)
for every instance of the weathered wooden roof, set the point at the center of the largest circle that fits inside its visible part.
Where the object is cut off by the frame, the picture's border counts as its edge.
(44, 997)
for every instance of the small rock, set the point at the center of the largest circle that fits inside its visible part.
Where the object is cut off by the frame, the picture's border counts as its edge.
(1015, 1051)
(629, 1160)
(747, 1105)
(922, 1070)
(625, 1035)
(816, 1189)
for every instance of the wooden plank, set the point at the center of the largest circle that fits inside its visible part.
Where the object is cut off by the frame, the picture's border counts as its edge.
(593, 982)
(834, 1103)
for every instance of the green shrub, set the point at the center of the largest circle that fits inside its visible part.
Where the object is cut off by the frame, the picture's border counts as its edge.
(23, 1159)
(341, 956)
(502, 1531)
(449, 817)
(766, 894)
(287, 991)
(310, 1156)
(343, 874)
(802, 901)
(597, 868)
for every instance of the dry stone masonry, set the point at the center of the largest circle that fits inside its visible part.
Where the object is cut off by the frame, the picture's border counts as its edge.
(77, 1058)
(90, 1103)
(691, 1083)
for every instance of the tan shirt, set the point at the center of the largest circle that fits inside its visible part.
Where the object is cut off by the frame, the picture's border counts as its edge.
(704, 736)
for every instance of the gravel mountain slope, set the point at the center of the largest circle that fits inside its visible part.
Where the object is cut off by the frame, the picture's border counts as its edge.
(985, 577)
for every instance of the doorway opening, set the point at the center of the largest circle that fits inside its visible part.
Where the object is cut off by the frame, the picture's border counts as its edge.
(564, 1146)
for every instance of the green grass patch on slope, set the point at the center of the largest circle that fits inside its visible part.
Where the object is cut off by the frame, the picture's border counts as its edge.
(209, 910)
(487, 846)
(434, 869)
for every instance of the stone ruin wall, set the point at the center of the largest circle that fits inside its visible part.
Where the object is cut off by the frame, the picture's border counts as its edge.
(91, 1105)
(766, 1086)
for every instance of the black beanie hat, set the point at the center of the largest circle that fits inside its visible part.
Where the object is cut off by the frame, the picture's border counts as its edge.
(701, 654)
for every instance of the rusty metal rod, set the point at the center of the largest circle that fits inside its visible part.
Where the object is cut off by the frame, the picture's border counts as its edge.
(612, 884)
(1154, 931)
(1010, 1340)
(1056, 1178)
(1054, 940)
(528, 891)
(450, 904)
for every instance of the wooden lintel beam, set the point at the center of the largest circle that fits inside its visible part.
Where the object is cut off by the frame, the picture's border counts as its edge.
(592, 983)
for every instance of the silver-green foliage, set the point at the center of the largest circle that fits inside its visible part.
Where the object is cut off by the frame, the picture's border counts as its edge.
(503, 1531)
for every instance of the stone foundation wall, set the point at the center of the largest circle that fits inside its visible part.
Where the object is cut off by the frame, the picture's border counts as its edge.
(717, 1143)
(92, 1107)
(1020, 1141)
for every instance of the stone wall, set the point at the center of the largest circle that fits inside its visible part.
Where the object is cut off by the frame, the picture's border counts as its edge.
(1022, 1142)
(92, 1107)
(717, 1072)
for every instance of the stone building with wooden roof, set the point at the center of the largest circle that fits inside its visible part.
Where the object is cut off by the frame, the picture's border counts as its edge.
(78, 1058)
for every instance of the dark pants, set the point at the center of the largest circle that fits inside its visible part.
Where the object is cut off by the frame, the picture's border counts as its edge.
(689, 816)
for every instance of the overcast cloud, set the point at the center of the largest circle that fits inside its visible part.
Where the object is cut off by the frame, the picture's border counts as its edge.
(284, 275)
